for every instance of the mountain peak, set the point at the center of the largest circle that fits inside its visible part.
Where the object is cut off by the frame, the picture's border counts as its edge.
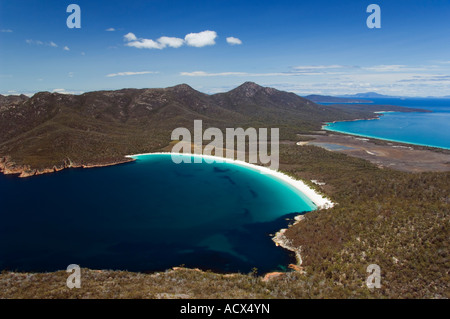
(250, 85)
(182, 88)
(248, 89)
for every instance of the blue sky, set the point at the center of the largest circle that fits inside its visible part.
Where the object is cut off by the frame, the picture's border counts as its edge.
(321, 46)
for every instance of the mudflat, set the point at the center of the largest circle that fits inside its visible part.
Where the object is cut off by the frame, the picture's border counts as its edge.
(385, 154)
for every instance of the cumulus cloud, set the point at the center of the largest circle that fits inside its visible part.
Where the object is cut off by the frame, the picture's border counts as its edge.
(53, 44)
(198, 40)
(233, 41)
(171, 42)
(130, 37)
(145, 44)
(66, 48)
(201, 39)
(110, 29)
(129, 73)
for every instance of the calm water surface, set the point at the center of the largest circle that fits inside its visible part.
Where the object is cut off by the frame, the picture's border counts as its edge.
(430, 129)
(147, 215)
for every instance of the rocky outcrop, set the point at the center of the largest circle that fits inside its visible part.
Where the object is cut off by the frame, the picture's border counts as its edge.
(281, 240)
(8, 166)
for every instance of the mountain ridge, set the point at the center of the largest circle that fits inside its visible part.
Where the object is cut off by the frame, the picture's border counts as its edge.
(53, 131)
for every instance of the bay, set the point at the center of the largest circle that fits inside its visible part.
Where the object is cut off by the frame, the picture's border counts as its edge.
(420, 128)
(148, 215)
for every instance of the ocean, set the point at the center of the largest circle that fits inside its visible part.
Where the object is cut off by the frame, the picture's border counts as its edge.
(146, 216)
(429, 129)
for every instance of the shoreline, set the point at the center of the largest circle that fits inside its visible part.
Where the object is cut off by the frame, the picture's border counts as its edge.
(324, 127)
(320, 201)
(378, 115)
(24, 171)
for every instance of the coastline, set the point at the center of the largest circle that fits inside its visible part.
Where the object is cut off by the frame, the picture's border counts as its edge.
(324, 127)
(378, 115)
(320, 201)
(7, 167)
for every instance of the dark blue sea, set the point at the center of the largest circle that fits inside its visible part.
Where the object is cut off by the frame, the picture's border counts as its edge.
(147, 215)
(429, 129)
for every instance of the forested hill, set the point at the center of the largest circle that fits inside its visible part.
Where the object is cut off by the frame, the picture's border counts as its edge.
(50, 131)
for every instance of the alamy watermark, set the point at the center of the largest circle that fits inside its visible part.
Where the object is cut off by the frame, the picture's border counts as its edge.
(374, 279)
(374, 20)
(233, 144)
(74, 280)
(74, 19)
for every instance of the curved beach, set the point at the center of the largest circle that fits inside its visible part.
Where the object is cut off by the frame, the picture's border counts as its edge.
(319, 200)
(328, 128)
(279, 238)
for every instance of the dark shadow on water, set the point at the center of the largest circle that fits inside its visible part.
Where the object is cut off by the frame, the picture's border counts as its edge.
(116, 217)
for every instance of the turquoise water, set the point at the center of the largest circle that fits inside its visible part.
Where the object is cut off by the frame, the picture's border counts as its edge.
(429, 129)
(147, 215)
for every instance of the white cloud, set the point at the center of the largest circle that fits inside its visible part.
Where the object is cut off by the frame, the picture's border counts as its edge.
(317, 69)
(207, 74)
(82, 53)
(335, 79)
(159, 44)
(6, 30)
(110, 29)
(201, 39)
(198, 40)
(233, 41)
(145, 44)
(63, 91)
(386, 68)
(203, 73)
(66, 48)
(130, 73)
(130, 37)
(171, 42)
(36, 42)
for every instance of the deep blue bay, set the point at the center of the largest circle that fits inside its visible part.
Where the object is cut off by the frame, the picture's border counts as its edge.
(147, 215)
(428, 129)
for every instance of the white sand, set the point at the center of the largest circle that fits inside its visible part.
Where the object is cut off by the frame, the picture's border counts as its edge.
(318, 200)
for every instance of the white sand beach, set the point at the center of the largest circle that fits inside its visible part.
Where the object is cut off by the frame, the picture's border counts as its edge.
(319, 200)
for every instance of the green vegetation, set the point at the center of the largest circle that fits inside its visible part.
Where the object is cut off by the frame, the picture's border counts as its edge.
(397, 220)
(51, 130)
